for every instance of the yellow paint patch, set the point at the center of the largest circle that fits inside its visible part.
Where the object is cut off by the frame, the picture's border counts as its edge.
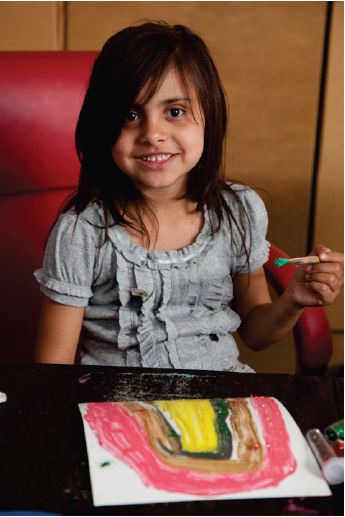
(195, 420)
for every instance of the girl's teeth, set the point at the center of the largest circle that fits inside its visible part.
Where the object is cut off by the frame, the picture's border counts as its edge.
(156, 158)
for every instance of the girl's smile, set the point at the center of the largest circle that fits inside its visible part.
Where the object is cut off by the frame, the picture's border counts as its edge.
(156, 161)
(163, 139)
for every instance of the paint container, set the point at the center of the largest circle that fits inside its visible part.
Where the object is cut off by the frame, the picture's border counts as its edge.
(338, 447)
(332, 466)
(335, 431)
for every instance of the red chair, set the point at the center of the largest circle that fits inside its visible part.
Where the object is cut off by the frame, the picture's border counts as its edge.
(40, 97)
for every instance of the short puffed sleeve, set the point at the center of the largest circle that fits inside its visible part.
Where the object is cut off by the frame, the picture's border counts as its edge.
(68, 266)
(253, 221)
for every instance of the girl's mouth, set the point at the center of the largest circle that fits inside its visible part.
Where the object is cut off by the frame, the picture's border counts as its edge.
(155, 161)
(163, 157)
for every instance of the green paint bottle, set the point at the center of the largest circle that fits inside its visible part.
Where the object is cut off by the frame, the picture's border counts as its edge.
(335, 431)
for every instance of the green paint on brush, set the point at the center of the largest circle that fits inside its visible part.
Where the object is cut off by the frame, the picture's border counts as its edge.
(281, 261)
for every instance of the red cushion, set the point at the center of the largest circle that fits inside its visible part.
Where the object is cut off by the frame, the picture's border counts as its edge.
(40, 99)
(24, 225)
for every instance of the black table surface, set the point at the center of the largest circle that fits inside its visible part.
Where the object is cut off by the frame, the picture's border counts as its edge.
(43, 457)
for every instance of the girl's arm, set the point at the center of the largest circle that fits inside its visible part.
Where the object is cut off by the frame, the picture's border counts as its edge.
(58, 333)
(263, 321)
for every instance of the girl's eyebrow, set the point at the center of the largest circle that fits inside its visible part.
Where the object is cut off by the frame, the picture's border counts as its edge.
(164, 102)
(176, 99)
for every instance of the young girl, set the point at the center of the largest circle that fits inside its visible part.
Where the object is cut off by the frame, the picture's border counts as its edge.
(156, 261)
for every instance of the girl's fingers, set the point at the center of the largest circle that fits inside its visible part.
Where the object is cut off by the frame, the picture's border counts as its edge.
(333, 256)
(323, 280)
(327, 255)
(328, 279)
(323, 293)
(320, 248)
(332, 268)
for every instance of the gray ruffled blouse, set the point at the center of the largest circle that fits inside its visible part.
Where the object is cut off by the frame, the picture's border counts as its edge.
(161, 309)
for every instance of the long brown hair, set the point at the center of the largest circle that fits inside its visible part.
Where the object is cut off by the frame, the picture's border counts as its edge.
(134, 58)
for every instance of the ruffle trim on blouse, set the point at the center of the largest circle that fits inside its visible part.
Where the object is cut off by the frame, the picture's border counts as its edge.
(136, 326)
(162, 316)
(134, 275)
(126, 337)
(145, 331)
(61, 287)
(159, 259)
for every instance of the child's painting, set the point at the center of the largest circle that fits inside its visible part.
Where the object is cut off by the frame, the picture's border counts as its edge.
(178, 450)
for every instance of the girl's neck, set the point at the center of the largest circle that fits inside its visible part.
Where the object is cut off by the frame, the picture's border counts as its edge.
(165, 208)
(168, 202)
(172, 224)
(172, 229)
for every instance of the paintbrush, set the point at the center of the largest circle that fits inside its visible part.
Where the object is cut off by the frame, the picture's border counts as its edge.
(297, 260)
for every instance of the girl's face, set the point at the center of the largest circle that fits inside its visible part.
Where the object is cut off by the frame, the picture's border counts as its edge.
(163, 139)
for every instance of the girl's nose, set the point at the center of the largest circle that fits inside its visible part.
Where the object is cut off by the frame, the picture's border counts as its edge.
(153, 131)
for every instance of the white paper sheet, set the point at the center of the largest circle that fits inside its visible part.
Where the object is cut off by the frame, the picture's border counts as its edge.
(116, 483)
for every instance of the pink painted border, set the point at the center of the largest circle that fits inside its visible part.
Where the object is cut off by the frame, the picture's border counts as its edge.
(121, 434)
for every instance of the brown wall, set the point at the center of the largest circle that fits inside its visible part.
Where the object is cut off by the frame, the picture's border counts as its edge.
(329, 220)
(269, 55)
(31, 25)
(329, 223)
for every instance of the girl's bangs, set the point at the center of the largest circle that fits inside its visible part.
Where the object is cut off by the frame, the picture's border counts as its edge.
(148, 79)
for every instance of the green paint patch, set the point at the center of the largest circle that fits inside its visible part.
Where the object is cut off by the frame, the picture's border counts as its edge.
(222, 411)
(173, 433)
(280, 261)
(105, 463)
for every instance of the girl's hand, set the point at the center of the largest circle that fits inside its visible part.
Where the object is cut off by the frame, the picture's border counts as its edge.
(317, 284)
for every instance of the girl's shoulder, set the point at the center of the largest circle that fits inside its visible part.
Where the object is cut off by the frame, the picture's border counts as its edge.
(93, 212)
(239, 195)
(87, 225)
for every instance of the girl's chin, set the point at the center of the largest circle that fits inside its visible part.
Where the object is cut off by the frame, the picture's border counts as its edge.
(160, 182)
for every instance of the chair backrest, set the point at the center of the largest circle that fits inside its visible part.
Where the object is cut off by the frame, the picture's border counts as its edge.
(40, 98)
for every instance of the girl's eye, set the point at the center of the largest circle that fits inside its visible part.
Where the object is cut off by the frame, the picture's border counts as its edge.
(176, 112)
(131, 116)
